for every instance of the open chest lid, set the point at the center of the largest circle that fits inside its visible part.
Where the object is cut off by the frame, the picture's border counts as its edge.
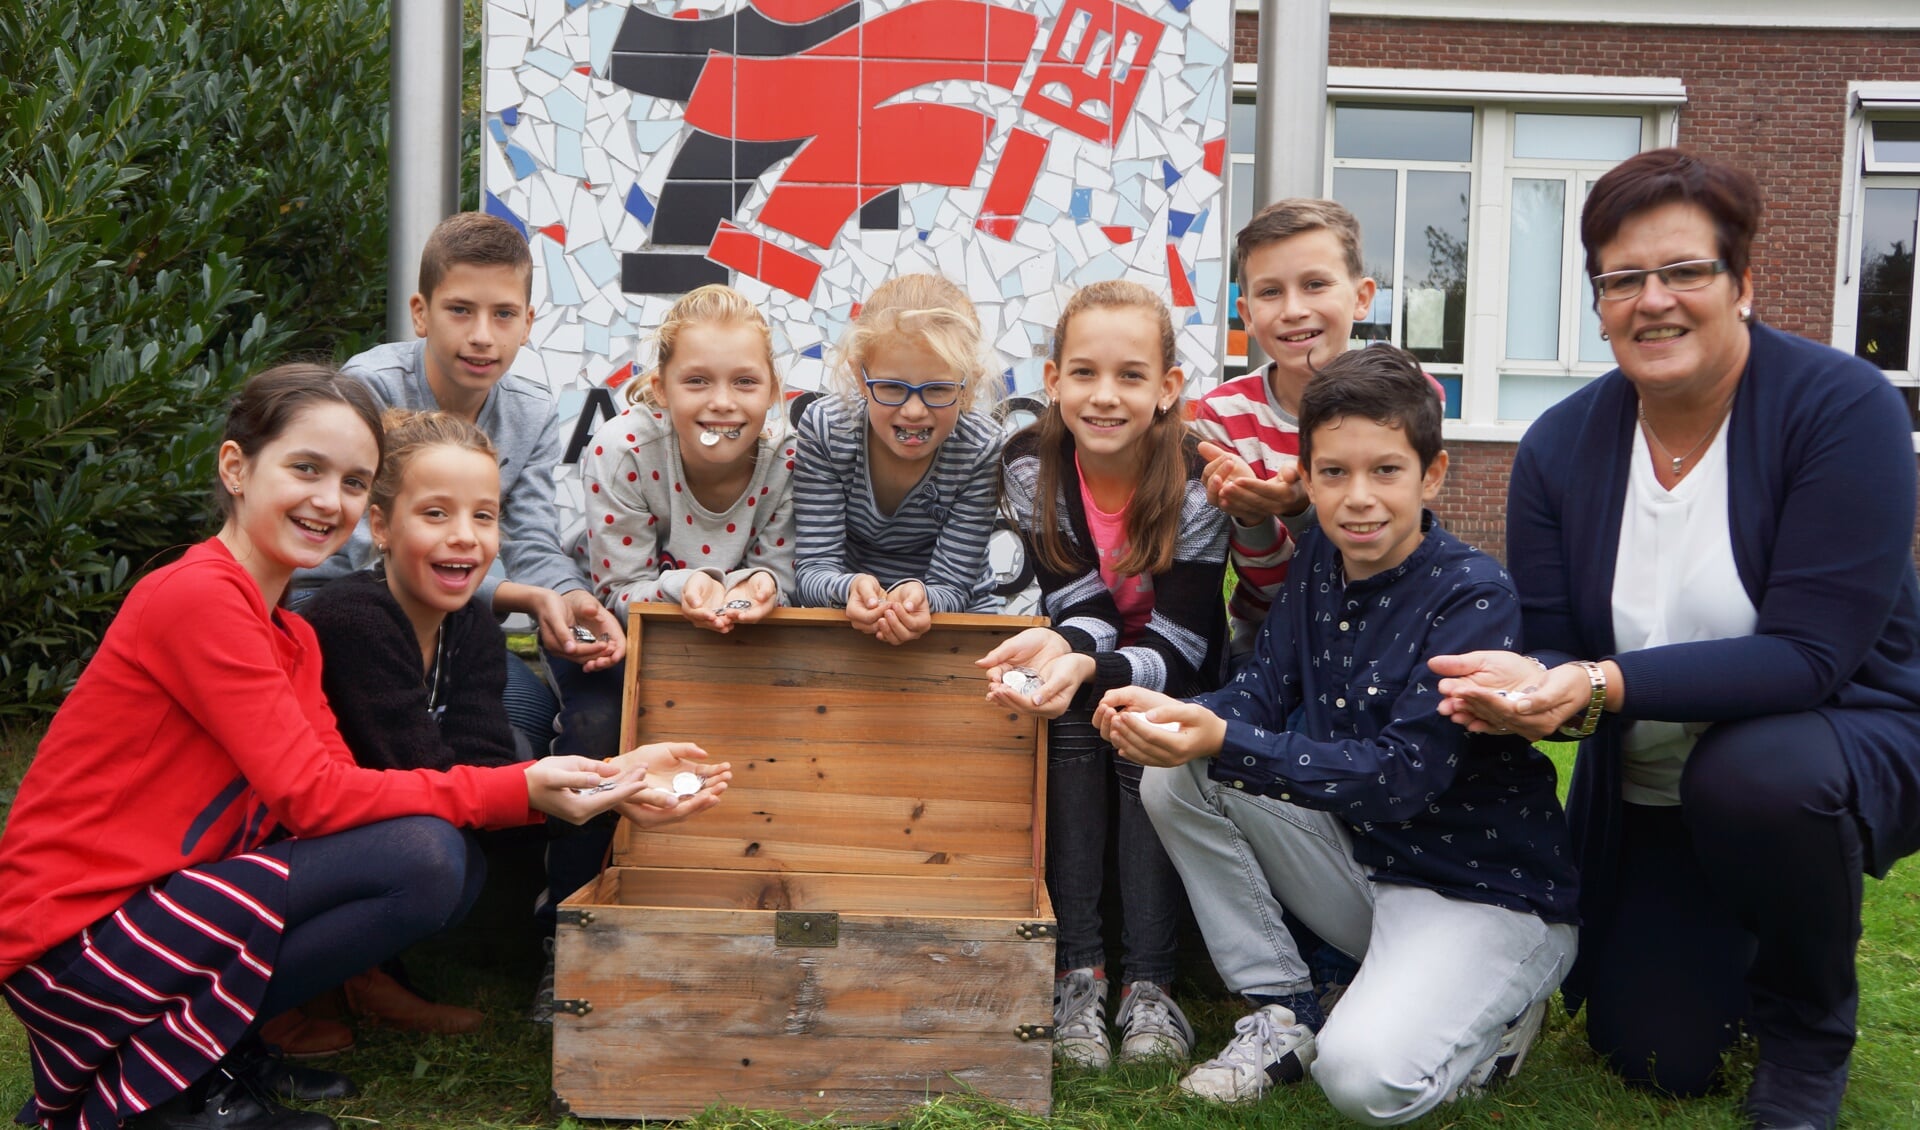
(849, 755)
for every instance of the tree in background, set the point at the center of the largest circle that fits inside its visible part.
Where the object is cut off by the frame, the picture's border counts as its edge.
(188, 193)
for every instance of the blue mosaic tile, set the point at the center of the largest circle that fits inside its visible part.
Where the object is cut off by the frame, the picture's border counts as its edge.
(1169, 176)
(1178, 222)
(638, 206)
(1082, 209)
(511, 115)
(524, 165)
(493, 207)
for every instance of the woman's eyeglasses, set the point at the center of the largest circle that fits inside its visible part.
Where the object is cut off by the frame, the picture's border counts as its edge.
(933, 394)
(1690, 274)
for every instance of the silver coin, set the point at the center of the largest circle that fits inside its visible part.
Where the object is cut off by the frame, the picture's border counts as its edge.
(736, 605)
(708, 439)
(1022, 680)
(607, 787)
(686, 783)
(584, 635)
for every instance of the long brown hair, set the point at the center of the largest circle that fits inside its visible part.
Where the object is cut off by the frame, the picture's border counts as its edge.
(1159, 497)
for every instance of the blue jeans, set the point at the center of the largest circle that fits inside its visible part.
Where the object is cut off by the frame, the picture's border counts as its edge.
(1082, 773)
(588, 725)
(358, 897)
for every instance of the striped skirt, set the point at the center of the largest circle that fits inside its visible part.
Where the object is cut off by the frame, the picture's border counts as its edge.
(146, 1000)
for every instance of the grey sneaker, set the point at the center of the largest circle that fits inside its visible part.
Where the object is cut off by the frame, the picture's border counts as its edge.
(1507, 1056)
(1080, 1020)
(542, 1010)
(1152, 1027)
(1269, 1048)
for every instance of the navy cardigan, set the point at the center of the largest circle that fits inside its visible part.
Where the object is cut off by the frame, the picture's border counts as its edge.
(1821, 496)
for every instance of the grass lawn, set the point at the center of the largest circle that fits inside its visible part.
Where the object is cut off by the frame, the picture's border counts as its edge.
(499, 1077)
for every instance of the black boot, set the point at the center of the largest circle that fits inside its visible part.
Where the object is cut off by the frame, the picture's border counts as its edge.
(227, 1101)
(277, 1076)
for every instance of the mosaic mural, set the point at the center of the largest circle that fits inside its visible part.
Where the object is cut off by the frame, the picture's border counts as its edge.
(805, 150)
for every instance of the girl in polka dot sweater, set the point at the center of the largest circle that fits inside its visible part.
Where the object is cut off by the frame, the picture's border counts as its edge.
(689, 491)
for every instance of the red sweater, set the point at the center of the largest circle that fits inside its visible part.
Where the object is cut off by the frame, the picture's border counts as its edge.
(197, 729)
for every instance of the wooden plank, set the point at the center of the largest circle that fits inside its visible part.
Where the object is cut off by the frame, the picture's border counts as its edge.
(939, 896)
(683, 1016)
(671, 614)
(699, 712)
(671, 847)
(603, 1074)
(878, 769)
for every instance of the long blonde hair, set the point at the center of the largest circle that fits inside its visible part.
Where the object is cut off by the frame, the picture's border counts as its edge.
(927, 310)
(713, 304)
(1159, 498)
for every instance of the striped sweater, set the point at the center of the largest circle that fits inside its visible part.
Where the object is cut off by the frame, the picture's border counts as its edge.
(1180, 651)
(937, 536)
(1245, 417)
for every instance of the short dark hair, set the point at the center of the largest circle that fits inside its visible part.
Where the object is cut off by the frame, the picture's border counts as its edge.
(1382, 383)
(270, 401)
(473, 239)
(1730, 196)
(1298, 215)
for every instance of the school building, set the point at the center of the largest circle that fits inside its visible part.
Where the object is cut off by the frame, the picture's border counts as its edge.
(1464, 135)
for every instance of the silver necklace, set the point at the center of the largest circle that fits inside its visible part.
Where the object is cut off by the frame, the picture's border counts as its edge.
(1667, 452)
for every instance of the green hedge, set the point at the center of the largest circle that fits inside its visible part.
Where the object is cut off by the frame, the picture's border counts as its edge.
(188, 193)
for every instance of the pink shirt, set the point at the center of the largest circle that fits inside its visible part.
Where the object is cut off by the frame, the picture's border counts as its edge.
(1132, 595)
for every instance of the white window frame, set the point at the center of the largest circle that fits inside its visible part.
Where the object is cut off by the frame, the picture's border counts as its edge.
(1495, 96)
(1865, 102)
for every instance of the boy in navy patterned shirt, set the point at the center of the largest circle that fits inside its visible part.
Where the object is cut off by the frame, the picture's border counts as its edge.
(1322, 779)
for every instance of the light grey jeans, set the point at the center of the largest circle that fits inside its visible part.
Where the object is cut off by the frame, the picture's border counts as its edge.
(1440, 978)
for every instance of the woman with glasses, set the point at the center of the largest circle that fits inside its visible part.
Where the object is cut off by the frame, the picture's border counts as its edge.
(1713, 546)
(898, 476)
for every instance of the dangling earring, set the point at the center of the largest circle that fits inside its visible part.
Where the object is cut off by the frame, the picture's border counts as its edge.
(1605, 336)
(1746, 313)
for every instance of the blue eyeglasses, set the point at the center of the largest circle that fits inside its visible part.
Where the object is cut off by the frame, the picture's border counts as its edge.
(933, 394)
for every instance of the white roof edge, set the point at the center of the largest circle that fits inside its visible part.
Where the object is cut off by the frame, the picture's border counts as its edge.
(1885, 95)
(1854, 14)
(1348, 82)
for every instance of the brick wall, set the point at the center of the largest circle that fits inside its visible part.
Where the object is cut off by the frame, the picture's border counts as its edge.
(1770, 100)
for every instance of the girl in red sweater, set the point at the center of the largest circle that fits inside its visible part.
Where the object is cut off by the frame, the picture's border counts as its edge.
(194, 848)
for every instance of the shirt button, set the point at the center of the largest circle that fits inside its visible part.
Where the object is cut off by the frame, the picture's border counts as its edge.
(1248, 760)
(1373, 690)
(1286, 796)
(1343, 625)
(1340, 702)
(1239, 784)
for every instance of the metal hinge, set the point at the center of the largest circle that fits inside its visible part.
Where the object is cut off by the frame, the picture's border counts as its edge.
(574, 916)
(1028, 1032)
(806, 928)
(1034, 931)
(571, 1006)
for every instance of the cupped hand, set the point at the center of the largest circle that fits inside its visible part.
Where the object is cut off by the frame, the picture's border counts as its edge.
(1060, 679)
(568, 787)
(1135, 722)
(1502, 692)
(1233, 486)
(866, 603)
(700, 601)
(1033, 649)
(759, 590)
(907, 616)
(579, 608)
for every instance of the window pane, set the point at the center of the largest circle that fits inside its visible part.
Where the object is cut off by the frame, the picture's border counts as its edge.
(1886, 277)
(1393, 133)
(1533, 270)
(1434, 327)
(1369, 195)
(1576, 137)
(1524, 398)
(1240, 129)
(1896, 142)
(1240, 197)
(1592, 346)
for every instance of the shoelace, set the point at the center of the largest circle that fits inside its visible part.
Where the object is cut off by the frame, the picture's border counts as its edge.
(1250, 1034)
(1076, 1009)
(1147, 1009)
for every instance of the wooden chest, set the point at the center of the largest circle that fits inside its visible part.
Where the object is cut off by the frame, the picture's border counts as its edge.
(860, 925)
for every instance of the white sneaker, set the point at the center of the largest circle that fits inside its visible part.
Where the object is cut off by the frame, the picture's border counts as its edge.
(1152, 1027)
(1080, 1020)
(1268, 1048)
(1507, 1056)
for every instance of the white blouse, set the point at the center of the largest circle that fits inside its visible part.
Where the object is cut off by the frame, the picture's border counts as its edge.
(1674, 581)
